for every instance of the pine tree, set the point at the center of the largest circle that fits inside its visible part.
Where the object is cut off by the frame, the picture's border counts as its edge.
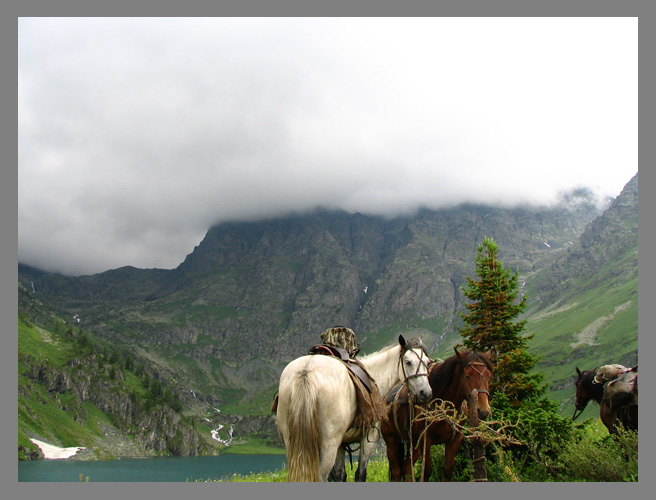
(491, 324)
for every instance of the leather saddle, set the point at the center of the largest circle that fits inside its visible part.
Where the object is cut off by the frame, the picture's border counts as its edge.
(353, 365)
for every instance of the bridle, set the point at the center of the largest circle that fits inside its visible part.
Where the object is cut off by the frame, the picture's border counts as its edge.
(421, 363)
(577, 415)
(473, 365)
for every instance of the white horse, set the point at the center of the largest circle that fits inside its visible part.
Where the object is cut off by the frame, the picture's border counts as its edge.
(317, 405)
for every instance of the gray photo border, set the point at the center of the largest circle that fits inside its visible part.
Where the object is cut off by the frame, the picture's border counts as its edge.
(293, 8)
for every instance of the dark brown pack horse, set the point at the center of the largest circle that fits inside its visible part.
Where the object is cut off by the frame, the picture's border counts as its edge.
(587, 389)
(452, 381)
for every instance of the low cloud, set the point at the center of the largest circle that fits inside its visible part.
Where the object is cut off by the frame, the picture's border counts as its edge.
(136, 135)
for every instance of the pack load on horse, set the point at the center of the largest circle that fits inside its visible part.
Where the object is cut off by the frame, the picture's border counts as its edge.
(615, 388)
(322, 404)
(622, 390)
(408, 436)
(608, 372)
(341, 337)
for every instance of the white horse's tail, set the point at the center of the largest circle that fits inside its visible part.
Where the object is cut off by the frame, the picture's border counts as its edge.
(304, 446)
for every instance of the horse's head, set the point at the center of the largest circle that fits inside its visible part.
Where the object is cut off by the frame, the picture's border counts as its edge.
(583, 389)
(413, 368)
(476, 372)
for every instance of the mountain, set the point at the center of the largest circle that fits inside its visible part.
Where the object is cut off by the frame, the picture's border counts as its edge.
(585, 302)
(254, 295)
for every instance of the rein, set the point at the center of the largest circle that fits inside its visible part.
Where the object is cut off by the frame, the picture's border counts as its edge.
(575, 416)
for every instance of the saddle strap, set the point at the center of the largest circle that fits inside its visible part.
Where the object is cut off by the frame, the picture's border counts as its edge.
(361, 374)
(330, 350)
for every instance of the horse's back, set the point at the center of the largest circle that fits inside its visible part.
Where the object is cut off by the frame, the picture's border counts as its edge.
(328, 371)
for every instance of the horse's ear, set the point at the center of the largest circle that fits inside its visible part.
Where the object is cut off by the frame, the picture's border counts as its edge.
(402, 341)
(578, 371)
(461, 355)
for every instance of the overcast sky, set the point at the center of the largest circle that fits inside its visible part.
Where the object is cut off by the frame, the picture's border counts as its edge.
(136, 135)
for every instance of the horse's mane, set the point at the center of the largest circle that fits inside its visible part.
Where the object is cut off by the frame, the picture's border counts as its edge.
(587, 377)
(441, 376)
(413, 343)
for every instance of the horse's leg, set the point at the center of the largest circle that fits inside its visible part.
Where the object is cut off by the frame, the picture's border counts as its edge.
(450, 449)
(410, 456)
(394, 449)
(632, 416)
(338, 473)
(366, 447)
(330, 450)
(608, 418)
(392, 444)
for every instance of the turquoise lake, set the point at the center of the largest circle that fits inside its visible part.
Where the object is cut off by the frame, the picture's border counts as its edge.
(160, 469)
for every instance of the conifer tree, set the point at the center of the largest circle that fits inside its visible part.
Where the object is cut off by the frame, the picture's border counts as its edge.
(491, 323)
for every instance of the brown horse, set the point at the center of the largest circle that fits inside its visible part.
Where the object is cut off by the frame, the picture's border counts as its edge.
(587, 389)
(452, 381)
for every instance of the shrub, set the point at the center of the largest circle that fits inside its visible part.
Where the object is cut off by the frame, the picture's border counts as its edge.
(609, 458)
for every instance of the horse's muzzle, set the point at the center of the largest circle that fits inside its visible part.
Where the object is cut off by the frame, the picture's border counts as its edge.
(423, 396)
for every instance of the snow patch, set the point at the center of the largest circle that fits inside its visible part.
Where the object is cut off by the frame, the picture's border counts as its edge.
(55, 452)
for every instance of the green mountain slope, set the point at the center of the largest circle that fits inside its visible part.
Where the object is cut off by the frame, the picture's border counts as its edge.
(74, 390)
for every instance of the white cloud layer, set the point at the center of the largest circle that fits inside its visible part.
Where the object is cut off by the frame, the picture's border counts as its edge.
(136, 135)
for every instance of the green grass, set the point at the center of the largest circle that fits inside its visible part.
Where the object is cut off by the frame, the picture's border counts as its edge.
(42, 345)
(377, 472)
(254, 447)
